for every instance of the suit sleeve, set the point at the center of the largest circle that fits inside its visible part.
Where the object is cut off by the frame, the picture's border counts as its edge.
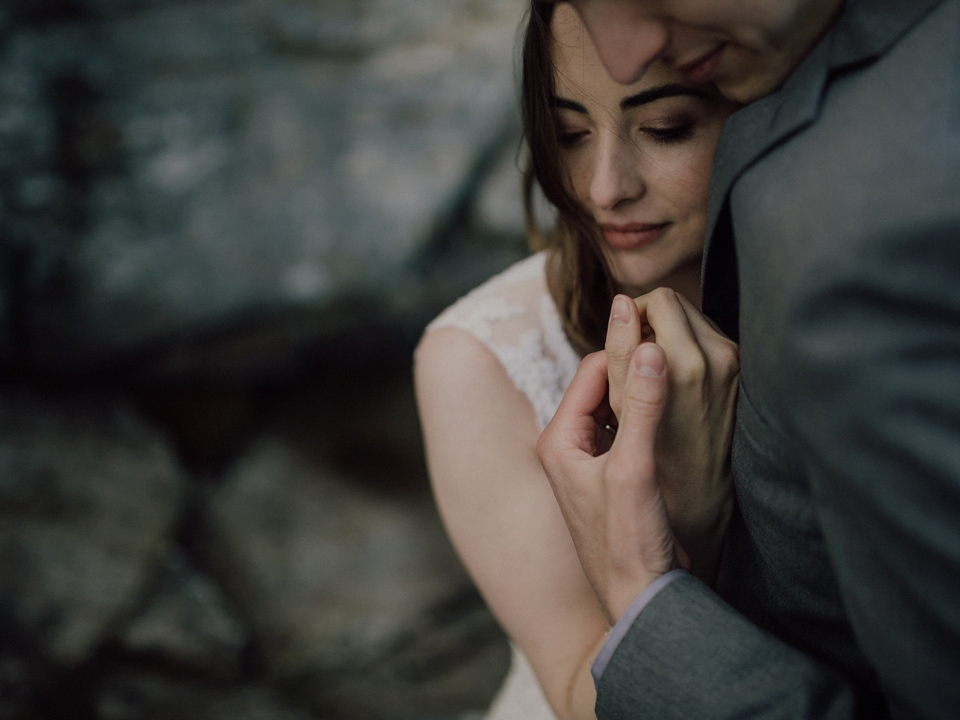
(871, 382)
(690, 655)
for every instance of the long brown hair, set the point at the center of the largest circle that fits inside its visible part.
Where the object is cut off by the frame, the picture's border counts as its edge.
(578, 274)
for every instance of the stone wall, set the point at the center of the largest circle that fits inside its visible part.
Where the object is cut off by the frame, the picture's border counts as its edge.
(223, 226)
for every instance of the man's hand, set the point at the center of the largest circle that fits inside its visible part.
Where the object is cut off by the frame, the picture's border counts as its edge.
(611, 500)
(693, 442)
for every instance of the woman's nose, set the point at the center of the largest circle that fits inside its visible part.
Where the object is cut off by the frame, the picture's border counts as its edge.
(617, 177)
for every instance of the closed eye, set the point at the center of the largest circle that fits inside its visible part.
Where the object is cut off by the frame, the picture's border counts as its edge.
(670, 135)
(570, 138)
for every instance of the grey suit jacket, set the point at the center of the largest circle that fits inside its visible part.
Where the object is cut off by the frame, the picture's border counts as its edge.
(834, 255)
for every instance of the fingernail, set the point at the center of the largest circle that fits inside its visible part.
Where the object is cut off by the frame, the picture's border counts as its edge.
(620, 310)
(649, 360)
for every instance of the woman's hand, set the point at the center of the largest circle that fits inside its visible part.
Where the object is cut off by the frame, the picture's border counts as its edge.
(695, 433)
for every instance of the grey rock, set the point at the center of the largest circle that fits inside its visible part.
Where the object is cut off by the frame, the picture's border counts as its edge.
(16, 679)
(235, 157)
(328, 576)
(188, 624)
(216, 193)
(499, 203)
(355, 598)
(88, 497)
(141, 696)
(451, 666)
(499, 200)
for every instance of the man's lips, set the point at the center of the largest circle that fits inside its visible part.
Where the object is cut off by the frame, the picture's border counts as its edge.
(630, 236)
(704, 68)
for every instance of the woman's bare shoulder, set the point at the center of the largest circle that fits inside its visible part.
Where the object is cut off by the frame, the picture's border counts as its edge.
(457, 375)
(513, 316)
(508, 299)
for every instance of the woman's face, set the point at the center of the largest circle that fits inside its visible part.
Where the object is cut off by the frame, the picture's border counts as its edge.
(638, 157)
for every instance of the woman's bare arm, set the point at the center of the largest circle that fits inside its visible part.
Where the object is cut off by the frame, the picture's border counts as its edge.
(501, 514)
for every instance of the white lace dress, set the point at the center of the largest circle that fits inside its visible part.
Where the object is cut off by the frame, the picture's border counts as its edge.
(514, 315)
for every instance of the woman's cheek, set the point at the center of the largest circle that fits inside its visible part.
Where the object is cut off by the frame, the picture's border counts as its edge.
(688, 180)
(699, 166)
(580, 180)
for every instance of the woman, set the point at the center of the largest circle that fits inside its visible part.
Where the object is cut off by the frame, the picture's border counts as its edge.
(627, 168)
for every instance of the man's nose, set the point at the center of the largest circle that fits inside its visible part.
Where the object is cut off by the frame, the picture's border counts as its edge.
(627, 38)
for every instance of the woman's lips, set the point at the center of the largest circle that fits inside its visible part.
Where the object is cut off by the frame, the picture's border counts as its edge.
(632, 235)
(704, 68)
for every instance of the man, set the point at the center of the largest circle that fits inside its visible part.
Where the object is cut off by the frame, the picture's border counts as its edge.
(833, 255)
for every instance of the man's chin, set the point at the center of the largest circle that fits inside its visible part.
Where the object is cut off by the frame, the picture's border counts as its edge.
(749, 89)
(753, 80)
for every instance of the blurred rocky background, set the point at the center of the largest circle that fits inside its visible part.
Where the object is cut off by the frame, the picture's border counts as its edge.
(223, 226)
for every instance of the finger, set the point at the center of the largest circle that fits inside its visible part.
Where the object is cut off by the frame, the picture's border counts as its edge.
(665, 314)
(623, 337)
(587, 390)
(722, 354)
(683, 559)
(573, 428)
(662, 310)
(644, 399)
(699, 323)
(696, 316)
(705, 330)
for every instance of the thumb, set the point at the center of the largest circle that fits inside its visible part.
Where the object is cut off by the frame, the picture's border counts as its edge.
(644, 400)
(623, 337)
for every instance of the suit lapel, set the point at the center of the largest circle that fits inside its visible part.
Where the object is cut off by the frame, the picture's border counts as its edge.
(871, 27)
(756, 129)
(863, 33)
(748, 135)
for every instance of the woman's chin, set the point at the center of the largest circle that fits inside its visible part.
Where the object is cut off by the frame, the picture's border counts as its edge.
(638, 283)
(683, 277)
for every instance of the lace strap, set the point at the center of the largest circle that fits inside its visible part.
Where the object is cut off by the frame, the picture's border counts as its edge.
(515, 317)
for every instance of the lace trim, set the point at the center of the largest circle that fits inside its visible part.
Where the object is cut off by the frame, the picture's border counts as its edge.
(514, 315)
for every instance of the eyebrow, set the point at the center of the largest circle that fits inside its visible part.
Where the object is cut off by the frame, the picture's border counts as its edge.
(641, 98)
